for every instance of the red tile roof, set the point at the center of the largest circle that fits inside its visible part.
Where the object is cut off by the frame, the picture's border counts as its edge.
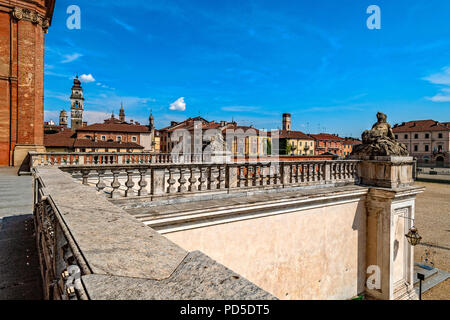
(326, 136)
(352, 142)
(64, 138)
(67, 139)
(420, 125)
(287, 134)
(114, 127)
(86, 143)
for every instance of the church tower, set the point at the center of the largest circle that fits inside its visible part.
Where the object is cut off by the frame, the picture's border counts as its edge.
(151, 122)
(76, 101)
(63, 118)
(122, 113)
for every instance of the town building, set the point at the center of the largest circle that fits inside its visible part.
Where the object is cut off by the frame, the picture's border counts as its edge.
(427, 140)
(67, 141)
(292, 142)
(327, 143)
(348, 145)
(242, 141)
(23, 25)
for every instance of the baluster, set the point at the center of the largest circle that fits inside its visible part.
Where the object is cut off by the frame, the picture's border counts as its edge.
(182, 181)
(255, 175)
(192, 180)
(263, 175)
(171, 188)
(249, 175)
(130, 183)
(115, 184)
(142, 182)
(212, 182)
(221, 177)
(241, 177)
(202, 180)
(85, 174)
(100, 184)
(297, 175)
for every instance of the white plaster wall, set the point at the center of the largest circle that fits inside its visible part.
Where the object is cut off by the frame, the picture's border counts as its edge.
(311, 254)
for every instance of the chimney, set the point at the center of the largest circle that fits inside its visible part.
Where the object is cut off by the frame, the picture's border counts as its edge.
(173, 123)
(131, 121)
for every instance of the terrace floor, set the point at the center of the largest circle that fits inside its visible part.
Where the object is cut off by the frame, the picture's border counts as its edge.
(20, 277)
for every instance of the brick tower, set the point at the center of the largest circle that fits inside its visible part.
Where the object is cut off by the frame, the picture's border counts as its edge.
(287, 121)
(23, 24)
(122, 113)
(76, 105)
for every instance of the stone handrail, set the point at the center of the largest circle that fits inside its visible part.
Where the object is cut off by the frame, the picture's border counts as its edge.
(91, 249)
(39, 159)
(157, 180)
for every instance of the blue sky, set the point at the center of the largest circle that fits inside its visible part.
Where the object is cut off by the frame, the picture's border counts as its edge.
(253, 60)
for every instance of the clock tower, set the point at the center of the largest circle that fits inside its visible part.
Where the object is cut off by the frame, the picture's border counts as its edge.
(76, 101)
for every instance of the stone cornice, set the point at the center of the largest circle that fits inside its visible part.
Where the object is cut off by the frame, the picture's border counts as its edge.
(31, 16)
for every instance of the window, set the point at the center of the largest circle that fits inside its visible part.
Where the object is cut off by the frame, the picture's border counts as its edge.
(440, 135)
(427, 136)
(406, 136)
(396, 136)
(416, 136)
(103, 138)
(134, 139)
(416, 148)
(427, 148)
(119, 138)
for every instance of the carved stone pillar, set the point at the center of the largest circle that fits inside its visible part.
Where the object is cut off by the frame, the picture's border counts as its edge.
(390, 207)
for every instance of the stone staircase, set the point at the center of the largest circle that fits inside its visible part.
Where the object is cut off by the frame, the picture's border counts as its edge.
(432, 277)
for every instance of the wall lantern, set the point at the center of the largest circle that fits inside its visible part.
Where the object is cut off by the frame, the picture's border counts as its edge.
(413, 236)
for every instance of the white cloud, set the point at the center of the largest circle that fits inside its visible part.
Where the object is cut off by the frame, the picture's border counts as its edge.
(124, 25)
(178, 105)
(87, 78)
(95, 116)
(240, 108)
(439, 98)
(71, 57)
(443, 80)
(440, 77)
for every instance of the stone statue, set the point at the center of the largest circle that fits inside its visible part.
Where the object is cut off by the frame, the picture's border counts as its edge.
(380, 141)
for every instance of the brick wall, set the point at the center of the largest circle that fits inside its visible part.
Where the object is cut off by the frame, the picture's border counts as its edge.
(22, 74)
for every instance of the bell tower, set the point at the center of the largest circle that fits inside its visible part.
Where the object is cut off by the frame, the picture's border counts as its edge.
(122, 113)
(63, 118)
(287, 121)
(76, 102)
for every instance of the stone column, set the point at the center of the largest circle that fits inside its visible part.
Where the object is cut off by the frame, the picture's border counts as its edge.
(390, 208)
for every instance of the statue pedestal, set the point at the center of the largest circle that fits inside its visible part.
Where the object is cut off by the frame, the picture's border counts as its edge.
(386, 171)
(390, 206)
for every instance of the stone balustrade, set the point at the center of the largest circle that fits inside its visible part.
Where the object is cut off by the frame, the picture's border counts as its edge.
(91, 249)
(194, 178)
(107, 158)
